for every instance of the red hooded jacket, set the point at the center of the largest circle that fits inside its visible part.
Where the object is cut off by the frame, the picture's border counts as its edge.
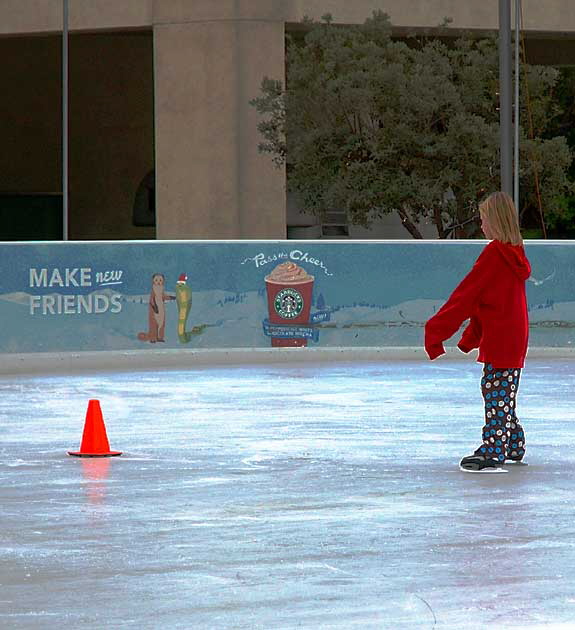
(492, 297)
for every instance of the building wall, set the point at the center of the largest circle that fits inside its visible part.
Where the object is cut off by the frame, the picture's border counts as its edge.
(551, 15)
(211, 180)
(209, 59)
(44, 16)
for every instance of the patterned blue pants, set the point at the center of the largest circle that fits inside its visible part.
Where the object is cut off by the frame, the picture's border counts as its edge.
(503, 436)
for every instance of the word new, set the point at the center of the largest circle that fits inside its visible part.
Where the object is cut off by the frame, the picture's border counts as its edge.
(109, 277)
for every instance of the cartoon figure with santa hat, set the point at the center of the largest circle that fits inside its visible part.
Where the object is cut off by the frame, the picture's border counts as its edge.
(184, 302)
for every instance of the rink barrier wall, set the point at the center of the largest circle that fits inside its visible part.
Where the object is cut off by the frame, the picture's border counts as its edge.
(142, 360)
(188, 302)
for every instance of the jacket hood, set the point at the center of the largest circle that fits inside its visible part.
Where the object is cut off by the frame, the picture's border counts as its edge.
(514, 256)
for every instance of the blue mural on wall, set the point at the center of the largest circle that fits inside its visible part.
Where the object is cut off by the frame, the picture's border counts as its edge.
(130, 295)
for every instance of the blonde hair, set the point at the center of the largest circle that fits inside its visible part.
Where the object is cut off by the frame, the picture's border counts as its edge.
(503, 218)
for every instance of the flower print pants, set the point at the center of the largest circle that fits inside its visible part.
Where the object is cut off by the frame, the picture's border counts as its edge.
(503, 436)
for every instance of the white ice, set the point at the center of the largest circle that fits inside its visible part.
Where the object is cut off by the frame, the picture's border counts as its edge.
(280, 497)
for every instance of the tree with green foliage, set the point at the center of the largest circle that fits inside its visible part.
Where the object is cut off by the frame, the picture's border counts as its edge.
(560, 219)
(370, 124)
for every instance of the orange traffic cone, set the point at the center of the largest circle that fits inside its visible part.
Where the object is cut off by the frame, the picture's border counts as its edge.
(94, 440)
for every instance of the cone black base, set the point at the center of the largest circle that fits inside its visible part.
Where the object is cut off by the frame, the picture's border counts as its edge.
(94, 454)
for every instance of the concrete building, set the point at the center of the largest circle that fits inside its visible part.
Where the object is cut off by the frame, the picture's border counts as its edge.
(163, 87)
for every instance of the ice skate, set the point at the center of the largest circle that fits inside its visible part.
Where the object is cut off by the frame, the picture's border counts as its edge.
(479, 463)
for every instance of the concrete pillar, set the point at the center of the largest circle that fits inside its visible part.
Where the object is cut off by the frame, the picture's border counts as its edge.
(211, 181)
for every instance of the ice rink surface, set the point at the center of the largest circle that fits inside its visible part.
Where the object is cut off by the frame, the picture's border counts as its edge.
(280, 497)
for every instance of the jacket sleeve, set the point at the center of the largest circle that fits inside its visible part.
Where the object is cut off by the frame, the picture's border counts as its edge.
(460, 305)
(471, 335)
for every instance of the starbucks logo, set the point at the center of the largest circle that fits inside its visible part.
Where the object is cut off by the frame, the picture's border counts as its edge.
(288, 303)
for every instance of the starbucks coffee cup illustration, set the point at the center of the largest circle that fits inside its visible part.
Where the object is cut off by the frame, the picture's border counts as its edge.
(289, 289)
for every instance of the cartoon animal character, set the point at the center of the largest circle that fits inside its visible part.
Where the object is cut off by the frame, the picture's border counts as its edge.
(156, 311)
(184, 302)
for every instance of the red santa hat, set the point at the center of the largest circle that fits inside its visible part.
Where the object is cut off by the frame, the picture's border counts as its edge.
(183, 277)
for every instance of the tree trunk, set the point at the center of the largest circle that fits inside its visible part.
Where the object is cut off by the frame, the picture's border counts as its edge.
(438, 220)
(460, 230)
(408, 224)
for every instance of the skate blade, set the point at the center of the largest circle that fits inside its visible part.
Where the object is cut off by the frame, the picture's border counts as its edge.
(485, 471)
(511, 463)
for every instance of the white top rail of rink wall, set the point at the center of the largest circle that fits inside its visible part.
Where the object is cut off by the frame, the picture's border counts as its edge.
(160, 297)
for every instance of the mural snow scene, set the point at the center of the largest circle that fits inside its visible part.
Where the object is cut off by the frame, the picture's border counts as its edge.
(121, 296)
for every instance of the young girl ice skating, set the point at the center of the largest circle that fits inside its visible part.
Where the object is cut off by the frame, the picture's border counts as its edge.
(492, 297)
